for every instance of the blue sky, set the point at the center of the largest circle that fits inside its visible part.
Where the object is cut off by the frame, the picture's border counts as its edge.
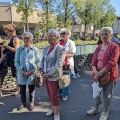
(115, 3)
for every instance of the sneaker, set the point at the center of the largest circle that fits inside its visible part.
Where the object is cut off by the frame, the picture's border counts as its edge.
(57, 117)
(104, 116)
(49, 113)
(65, 98)
(93, 111)
(74, 77)
(77, 75)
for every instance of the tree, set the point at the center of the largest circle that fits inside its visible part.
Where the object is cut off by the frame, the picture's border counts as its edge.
(83, 10)
(48, 18)
(26, 7)
(95, 12)
(64, 10)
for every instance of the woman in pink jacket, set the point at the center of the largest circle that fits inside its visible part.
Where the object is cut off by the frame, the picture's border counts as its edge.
(106, 59)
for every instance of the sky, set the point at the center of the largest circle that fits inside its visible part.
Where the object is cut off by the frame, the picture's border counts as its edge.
(115, 3)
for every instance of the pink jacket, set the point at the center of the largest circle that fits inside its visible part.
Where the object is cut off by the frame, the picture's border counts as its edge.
(111, 57)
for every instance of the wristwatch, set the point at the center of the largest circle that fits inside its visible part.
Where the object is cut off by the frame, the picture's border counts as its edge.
(101, 73)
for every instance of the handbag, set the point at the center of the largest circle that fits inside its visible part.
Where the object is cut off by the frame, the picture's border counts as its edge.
(104, 79)
(64, 81)
(38, 80)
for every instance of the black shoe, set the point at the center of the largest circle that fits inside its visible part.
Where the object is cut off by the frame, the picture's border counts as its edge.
(21, 106)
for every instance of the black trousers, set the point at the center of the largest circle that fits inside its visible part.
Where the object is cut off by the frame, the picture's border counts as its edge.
(23, 93)
(75, 65)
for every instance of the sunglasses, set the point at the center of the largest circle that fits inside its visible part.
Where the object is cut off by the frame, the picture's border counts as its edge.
(62, 33)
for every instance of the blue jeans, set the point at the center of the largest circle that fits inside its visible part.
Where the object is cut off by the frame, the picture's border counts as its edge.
(65, 91)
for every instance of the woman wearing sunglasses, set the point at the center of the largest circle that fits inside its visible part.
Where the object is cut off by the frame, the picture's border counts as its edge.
(70, 50)
(10, 49)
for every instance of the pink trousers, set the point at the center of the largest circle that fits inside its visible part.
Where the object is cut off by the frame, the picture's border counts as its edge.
(53, 91)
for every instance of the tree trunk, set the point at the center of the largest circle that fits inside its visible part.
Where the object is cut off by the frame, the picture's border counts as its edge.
(27, 24)
(94, 32)
(85, 29)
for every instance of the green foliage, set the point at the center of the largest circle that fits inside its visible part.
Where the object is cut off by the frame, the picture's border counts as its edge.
(64, 9)
(21, 42)
(48, 19)
(26, 7)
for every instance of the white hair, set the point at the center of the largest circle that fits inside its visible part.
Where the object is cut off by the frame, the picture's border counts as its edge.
(66, 31)
(30, 35)
(56, 32)
(109, 29)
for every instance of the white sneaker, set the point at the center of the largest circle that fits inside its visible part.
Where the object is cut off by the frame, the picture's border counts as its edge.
(57, 117)
(74, 77)
(93, 111)
(49, 113)
(77, 75)
(104, 116)
(65, 98)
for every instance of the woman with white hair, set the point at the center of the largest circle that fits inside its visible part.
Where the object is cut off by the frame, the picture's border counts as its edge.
(70, 50)
(27, 60)
(105, 60)
(51, 64)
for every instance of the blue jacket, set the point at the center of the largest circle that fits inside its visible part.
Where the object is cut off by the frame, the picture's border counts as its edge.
(20, 64)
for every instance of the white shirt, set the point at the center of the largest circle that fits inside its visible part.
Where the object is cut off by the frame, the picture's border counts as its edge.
(45, 59)
(27, 58)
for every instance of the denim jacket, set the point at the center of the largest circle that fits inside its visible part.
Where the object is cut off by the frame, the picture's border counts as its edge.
(20, 64)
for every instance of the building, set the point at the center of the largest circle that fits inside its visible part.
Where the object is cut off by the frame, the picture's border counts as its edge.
(116, 26)
(10, 16)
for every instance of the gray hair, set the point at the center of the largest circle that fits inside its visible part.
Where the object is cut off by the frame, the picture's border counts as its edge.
(56, 32)
(109, 29)
(66, 31)
(30, 34)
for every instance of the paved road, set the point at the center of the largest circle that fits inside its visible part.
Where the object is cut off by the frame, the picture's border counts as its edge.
(80, 100)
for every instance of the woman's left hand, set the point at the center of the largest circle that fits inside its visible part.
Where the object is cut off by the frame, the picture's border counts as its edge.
(45, 76)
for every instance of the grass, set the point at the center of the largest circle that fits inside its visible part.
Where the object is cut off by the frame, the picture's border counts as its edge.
(44, 43)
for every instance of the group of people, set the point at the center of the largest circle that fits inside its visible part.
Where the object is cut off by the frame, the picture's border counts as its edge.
(25, 61)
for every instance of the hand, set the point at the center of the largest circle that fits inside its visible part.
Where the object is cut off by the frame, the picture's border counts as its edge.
(97, 75)
(4, 45)
(45, 76)
(25, 73)
(30, 73)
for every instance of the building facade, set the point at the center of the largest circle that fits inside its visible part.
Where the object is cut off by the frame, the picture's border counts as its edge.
(116, 26)
(10, 16)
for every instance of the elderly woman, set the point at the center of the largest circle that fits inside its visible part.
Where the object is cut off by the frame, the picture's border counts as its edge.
(10, 49)
(70, 50)
(53, 57)
(105, 59)
(27, 60)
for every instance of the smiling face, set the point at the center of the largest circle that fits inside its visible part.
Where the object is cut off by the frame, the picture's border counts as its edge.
(106, 36)
(27, 40)
(64, 35)
(52, 39)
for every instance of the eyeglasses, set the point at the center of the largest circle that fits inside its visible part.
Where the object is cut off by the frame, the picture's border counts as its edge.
(26, 38)
(51, 36)
(62, 33)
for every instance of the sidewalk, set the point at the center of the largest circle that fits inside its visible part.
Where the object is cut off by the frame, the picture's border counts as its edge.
(79, 101)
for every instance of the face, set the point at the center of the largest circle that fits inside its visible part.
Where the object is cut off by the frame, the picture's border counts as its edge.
(52, 39)
(27, 40)
(105, 36)
(9, 33)
(64, 35)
